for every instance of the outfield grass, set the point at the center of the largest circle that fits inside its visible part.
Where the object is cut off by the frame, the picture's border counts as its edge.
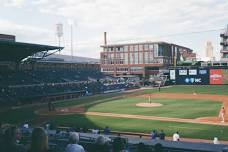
(203, 89)
(122, 124)
(171, 108)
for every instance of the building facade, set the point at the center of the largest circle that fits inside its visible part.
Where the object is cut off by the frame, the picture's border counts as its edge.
(141, 59)
(209, 51)
(224, 44)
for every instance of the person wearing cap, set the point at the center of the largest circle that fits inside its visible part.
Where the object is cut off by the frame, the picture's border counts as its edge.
(73, 145)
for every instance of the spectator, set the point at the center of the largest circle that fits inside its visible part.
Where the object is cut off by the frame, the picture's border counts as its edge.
(26, 126)
(95, 131)
(106, 130)
(101, 145)
(216, 141)
(158, 148)
(73, 146)
(154, 134)
(119, 144)
(162, 135)
(18, 135)
(142, 147)
(176, 136)
(39, 141)
(8, 142)
(85, 129)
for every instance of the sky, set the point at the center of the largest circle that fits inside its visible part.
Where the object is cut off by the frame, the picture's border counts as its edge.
(125, 21)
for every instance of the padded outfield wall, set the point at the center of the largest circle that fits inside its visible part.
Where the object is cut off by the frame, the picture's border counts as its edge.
(199, 76)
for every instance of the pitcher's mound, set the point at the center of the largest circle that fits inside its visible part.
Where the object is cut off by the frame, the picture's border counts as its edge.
(144, 104)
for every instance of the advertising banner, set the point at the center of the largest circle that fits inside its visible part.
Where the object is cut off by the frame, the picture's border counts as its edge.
(202, 72)
(172, 74)
(215, 76)
(224, 76)
(192, 76)
(182, 72)
(192, 72)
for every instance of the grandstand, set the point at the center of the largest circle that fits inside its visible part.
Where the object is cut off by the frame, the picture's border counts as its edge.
(28, 78)
(32, 75)
(58, 140)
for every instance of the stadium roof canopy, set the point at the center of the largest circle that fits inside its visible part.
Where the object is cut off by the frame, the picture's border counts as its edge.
(17, 51)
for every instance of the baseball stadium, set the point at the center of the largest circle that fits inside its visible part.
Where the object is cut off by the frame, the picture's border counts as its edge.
(139, 97)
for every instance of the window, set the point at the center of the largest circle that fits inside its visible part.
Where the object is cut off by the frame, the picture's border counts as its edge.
(140, 57)
(225, 56)
(160, 51)
(136, 58)
(131, 58)
(155, 50)
(131, 48)
(146, 47)
(110, 49)
(125, 48)
(140, 47)
(151, 47)
(136, 48)
(146, 58)
(126, 58)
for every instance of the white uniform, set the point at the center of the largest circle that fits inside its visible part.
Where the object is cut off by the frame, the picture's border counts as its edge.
(176, 137)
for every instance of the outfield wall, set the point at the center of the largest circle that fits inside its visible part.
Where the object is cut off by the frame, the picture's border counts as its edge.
(198, 76)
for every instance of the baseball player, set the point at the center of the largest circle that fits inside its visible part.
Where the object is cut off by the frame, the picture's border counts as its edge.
(222, 113)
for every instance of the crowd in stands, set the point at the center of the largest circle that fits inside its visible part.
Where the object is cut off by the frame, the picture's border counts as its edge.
(20, 85)
(50, 138)
(47, 139)
(28, 77)
(65, 139)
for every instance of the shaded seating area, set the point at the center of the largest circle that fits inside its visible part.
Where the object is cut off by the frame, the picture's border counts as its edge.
(58, 139)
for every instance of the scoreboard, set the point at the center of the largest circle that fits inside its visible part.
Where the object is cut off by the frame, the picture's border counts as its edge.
(198, 76)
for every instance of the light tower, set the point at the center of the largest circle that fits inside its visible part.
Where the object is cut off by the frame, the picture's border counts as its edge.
(71, 23)
(59, 31)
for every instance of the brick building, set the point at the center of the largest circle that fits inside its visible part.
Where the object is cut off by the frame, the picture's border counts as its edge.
(143, 59)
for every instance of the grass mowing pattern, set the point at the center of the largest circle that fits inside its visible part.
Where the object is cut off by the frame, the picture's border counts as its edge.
(171, 108)
(123, 124)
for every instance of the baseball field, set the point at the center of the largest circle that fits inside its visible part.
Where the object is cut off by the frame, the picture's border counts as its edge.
(191, 110)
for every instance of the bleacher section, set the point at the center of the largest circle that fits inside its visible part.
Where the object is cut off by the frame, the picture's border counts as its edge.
(32, 82)
(58, 140)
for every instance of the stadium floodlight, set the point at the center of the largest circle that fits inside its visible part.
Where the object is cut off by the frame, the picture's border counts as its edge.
(71, 23)
(59, 31)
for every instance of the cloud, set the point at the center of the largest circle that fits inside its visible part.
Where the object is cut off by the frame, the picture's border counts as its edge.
(14, 3)
(130, 19)
(26, 32)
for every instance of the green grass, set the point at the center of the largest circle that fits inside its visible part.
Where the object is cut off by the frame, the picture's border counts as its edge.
(18, 115)
(203, 108)
(203, 89)
(187, 130)
(171, 108)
